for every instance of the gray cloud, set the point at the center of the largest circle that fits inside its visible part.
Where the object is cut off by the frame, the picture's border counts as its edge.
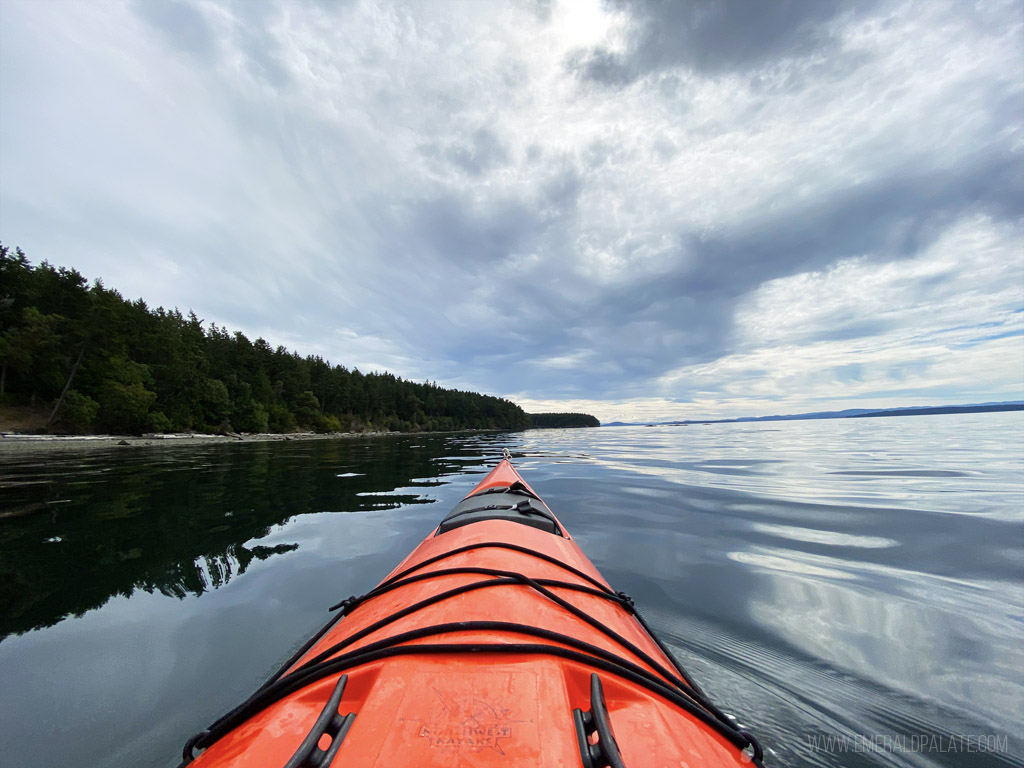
(181, 25)
(714, 36)
(450, 232)
(431, 193)
(481, 153)
(261, 48)
(897, 215)
(686, 315)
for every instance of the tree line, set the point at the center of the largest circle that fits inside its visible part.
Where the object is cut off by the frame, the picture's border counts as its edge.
(95, 361)
(561, 420)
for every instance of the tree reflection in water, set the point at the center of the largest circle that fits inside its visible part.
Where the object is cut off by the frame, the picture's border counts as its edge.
(79, 528)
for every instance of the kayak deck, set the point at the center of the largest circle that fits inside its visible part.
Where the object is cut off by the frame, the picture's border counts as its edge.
(495, 642)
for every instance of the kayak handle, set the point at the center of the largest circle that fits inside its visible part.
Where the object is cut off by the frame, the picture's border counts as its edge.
(330, 722)
(604, 753)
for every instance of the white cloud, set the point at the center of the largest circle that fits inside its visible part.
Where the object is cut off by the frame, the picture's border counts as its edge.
(441, 193)
(919, 328)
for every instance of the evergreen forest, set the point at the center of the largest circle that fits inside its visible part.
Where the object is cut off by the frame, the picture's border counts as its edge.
(88, 360)
(562, 420)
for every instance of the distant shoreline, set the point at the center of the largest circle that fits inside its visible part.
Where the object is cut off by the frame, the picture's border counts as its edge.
(17, 443)
(856, 413)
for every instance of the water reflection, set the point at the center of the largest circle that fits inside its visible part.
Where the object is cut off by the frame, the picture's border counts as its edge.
(817, 578)
(212, 572)
(79, 529)
(863, 581)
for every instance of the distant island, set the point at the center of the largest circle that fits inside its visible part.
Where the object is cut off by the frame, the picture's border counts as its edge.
(82, 359)
(852, 413)
(562, 420)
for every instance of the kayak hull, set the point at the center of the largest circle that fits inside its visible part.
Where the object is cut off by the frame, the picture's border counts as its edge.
(492, 643)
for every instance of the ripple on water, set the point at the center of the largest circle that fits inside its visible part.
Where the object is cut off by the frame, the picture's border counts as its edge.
(830, 538)
(857, 578)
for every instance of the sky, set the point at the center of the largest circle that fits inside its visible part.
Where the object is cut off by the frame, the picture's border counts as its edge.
(640, 210)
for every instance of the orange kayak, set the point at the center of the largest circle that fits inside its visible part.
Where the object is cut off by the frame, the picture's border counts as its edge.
(496, 642)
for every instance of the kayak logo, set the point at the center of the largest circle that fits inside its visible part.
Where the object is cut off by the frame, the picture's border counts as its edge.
(476, 736)
(467, 718)
(472, 722)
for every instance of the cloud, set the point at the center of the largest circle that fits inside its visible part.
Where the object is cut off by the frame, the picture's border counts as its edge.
(465, 198)
(182, 26)
(921, 326)
(714, 36)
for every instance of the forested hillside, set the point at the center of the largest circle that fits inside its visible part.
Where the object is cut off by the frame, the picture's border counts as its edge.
(91, 360)
(561, 420)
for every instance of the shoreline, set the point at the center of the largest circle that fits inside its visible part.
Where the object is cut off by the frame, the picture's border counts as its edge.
(11, 443)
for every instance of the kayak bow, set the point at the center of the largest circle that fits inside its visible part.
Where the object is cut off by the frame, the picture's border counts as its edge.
(495, 642)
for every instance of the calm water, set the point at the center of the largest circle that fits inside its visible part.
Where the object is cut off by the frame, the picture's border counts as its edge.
(861, 578)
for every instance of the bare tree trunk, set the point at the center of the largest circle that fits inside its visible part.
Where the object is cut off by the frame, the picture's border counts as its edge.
(67, 386)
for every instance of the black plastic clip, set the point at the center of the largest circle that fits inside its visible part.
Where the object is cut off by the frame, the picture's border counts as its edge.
(756, 752)
(346, 605)
(604, 753)
(626, 599)
(188, 753)
(330, 722)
